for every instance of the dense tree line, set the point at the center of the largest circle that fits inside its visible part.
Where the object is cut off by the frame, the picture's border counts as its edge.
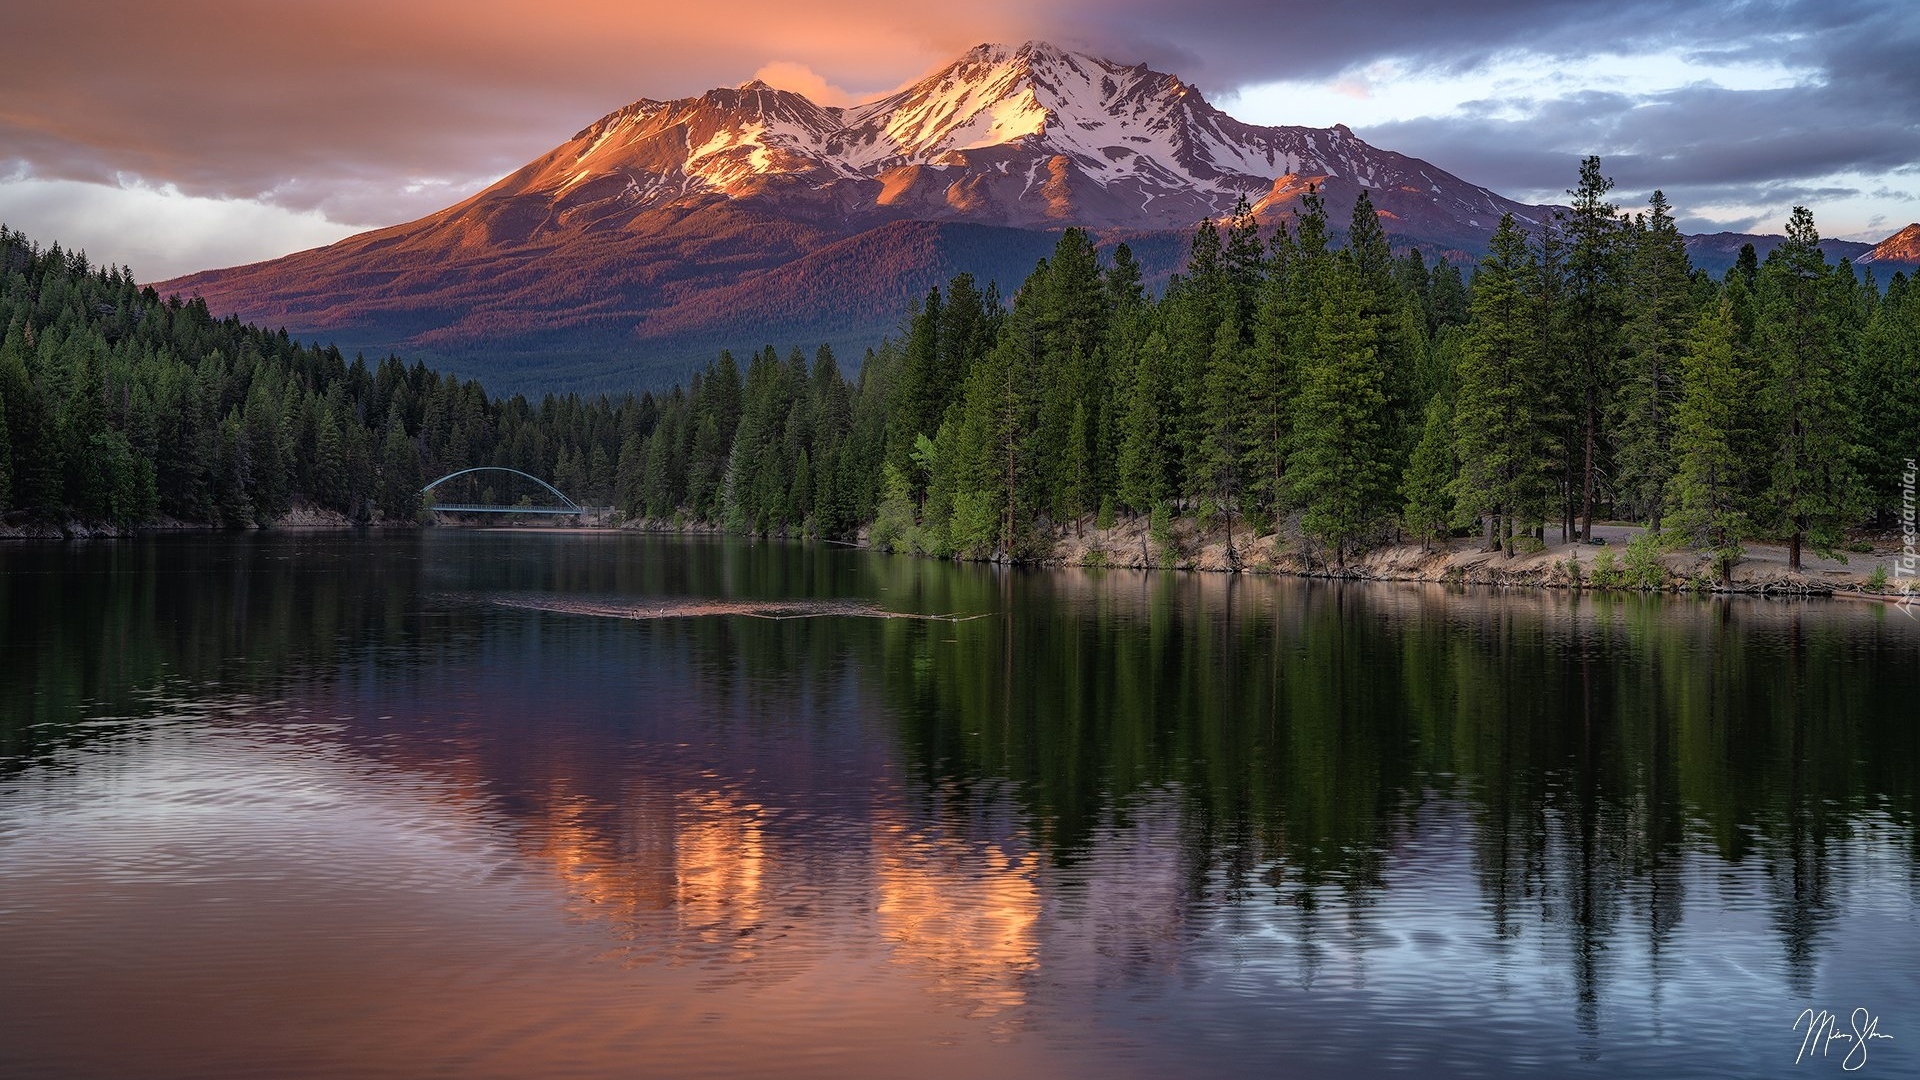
(1284, 380)
(119, 408)
(1588, 373)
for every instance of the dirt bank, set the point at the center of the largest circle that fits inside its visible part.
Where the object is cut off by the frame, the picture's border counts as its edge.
(1185, 546)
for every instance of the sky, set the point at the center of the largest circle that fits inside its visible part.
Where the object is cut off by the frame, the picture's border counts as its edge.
(203, 133)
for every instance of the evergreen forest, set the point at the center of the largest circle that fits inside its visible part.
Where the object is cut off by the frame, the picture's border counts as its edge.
(1299, 379)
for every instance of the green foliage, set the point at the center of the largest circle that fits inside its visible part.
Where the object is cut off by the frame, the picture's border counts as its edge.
(1607, 573)
(1590, 310)
(1427, 509)
(1575, 578)
(1503, 423)
(1887, 389)
(6, 461)
(1642, 568)
(1341, 472)
(117, 406)
(1583, 370)
(893, 524)
(1659, 314)
(1813, 491)
(1877, 581)
(1160, 531)
(1707, 490)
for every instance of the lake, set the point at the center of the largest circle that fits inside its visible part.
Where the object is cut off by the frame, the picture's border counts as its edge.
(516, 804)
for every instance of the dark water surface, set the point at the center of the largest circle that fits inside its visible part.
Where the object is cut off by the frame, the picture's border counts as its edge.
(494, 804)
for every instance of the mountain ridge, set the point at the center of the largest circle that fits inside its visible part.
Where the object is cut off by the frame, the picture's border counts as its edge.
(664, 226)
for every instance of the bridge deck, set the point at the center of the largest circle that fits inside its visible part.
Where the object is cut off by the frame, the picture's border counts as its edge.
(574, 511)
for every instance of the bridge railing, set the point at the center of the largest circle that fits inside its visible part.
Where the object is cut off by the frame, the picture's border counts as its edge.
(566, 506)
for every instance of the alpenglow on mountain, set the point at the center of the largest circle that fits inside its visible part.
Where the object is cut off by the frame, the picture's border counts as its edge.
(669, 229)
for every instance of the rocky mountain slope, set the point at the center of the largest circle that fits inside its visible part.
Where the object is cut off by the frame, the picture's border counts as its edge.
(668, 229)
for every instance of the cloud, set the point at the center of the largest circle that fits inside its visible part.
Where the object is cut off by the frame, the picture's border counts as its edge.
(159, 232)
(801, 79)
(367, 110)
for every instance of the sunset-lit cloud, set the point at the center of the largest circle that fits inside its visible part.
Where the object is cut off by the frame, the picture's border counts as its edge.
(302, 118)
(801, 79)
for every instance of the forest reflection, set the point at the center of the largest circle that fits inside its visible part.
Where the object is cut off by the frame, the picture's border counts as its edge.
(1114, 764)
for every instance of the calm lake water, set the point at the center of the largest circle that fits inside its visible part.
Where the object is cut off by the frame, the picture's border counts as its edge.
(498, 804)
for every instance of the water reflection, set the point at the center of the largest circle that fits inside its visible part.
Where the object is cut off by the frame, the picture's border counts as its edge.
(1197, 822)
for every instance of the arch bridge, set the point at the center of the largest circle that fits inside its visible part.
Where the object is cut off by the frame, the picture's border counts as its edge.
(565, 505)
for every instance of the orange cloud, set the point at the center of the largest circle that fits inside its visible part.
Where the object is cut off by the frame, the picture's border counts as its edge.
(801, 79)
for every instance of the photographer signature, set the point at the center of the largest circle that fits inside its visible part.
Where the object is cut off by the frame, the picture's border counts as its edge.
(1823, 1030)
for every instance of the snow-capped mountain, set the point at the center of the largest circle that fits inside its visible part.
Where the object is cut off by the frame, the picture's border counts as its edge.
(1032, 135)
(670, 228)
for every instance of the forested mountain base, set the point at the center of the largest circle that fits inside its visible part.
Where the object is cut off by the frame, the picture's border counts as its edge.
(1337, 398)
(122, 410)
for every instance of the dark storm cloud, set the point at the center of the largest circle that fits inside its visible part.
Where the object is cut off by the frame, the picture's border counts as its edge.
(1855, 110)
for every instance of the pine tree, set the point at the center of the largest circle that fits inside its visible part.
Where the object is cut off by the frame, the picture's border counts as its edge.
(38, 464)
(1123, 281)
(1448, 299)
(1593, 278)
(1280, 330)
(1659, 313)
(921, 392)
(398, 493)
(1216, 466)
(630, 474)
(1396, 331)
(1339, 470)
(715, 416)
(1147, 453)
(1814, 489)
(1705, 489)
(1244, 262)
(6, 460)
(1887, 388)
(1427, 509)
(1503, 432)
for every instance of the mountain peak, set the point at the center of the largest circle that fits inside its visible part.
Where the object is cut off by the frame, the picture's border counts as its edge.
(666, 221)
(1021, 134)
(1000, 53)
(1901, 247)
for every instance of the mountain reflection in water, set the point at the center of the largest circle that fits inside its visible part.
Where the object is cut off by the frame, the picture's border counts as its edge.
(324, 806)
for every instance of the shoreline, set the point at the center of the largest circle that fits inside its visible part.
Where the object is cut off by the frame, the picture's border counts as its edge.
(1128, 545)
(1185, 546)
(1762, 570)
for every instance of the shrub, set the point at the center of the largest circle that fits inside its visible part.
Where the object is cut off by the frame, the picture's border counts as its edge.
(1877, 581)
(1160, 531)
(1643, 568)
(1606, 571)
